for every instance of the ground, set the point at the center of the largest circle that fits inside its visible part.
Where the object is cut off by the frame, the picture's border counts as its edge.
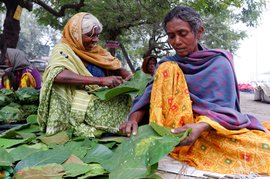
(258, 109)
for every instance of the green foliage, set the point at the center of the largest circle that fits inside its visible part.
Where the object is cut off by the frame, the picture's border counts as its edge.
(74, 170)
(44, 171)
(5, 158)
(27, 95)
(134, 87)
(22, 152)
(50, 156)
(165, 131)
(9, 114)
(135, 157)
(137, 24)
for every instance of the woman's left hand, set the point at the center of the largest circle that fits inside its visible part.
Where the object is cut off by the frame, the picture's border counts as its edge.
(197, 130)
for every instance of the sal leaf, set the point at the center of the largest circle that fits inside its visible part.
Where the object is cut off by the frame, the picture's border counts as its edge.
(165, 131)
(43, 158)
(136, 156)
(5, 158)
(135, 85)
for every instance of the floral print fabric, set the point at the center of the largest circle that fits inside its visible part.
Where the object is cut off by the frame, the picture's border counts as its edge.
(220, 150)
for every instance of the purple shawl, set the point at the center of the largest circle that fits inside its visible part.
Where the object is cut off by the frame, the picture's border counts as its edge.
(35, 73)
(213, 88)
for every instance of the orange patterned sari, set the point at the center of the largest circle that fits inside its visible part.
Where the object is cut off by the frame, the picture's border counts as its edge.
(219, 150)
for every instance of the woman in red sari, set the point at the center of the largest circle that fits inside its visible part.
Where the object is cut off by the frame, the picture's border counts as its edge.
(197, 88)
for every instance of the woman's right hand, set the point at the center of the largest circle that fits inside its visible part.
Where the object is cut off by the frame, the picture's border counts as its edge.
(111, 81)
(129, 127)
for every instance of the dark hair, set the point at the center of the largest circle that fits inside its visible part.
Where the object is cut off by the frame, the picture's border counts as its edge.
(186, 14)
(146, 62)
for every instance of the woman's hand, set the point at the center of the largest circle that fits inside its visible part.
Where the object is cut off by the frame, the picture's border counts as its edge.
(126, 75)
(111, 81)
(197, 130)
(129, 127)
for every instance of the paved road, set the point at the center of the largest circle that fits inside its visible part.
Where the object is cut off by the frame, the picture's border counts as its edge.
(259, 109)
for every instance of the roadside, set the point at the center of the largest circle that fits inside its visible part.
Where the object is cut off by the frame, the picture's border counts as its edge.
(256, 108)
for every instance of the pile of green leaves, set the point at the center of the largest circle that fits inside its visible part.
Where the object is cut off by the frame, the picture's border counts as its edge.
(32, 154)
(133, 87)
(17, 106)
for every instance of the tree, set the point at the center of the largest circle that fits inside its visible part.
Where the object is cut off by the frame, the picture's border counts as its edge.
(10, 36)
(132, 21)
(37, 41)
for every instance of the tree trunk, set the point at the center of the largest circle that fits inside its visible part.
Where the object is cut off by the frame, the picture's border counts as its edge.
(127, 58)
(11, 27)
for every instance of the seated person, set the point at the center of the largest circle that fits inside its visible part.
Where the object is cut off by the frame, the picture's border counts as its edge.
(148, 65)
(19, 72)
(77, 67)
(197, 88)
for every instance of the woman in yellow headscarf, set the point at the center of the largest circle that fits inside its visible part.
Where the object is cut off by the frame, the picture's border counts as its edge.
(77, 67)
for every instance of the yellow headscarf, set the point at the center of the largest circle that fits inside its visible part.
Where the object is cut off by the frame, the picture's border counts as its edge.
(72, 35)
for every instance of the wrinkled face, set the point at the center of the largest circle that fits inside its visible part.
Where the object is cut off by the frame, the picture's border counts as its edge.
(90, 39)
(151, 65)
(181, 37)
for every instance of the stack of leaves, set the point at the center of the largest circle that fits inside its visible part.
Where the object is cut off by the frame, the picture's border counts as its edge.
(27, 95)
(32, 154)
(6, 97)
(134, 87)
(18, 105)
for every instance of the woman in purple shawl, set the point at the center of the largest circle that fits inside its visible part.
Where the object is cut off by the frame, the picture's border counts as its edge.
(19, 72)
(197, 88)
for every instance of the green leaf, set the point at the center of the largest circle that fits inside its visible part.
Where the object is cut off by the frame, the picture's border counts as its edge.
(43, 172)
(76, 148)
(59, 138)
(21, 152)
(136, 84)
(73, 169)
(31, 129)
(136, 156)
(39, 146)
(165, 131)
(32, 119)
(95, 170)
(98, 153)
(5, 158)
(117, 139)
(161, 130)
(7, 143)
(107, 94)
(42, 158)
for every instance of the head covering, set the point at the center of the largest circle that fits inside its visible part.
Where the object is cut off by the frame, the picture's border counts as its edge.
(72, 36)
(89, 23)
(146, 62)
(17, 59)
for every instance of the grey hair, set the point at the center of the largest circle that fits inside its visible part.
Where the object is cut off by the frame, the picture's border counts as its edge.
(186, 14)
(89, 23)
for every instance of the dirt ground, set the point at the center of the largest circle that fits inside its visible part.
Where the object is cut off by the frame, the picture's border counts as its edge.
(256, 108)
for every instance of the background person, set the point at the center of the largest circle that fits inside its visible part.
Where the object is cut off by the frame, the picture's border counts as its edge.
(77, 67)
(197, 88)
(19, 72)
(149, 64)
